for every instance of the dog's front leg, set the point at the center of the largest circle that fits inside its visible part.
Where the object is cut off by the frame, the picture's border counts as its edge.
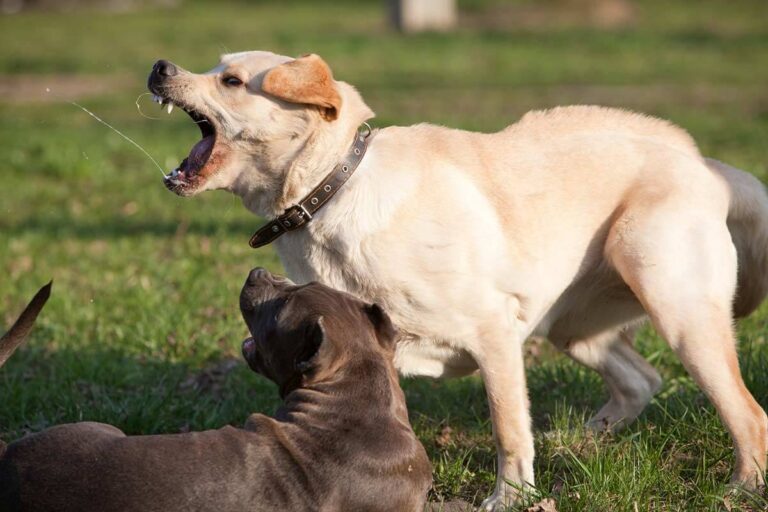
(501, 365)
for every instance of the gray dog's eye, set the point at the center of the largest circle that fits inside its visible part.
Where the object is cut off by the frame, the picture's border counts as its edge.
(232, 81)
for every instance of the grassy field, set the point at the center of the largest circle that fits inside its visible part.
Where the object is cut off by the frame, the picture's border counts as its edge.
(143, 329)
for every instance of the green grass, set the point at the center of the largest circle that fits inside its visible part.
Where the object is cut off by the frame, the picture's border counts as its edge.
(143, 326)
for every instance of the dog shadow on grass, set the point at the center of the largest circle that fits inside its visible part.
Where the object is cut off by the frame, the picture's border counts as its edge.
(41, 387)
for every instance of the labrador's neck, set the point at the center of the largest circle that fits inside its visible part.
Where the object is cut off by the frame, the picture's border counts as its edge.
(321, 153)
(301, 163)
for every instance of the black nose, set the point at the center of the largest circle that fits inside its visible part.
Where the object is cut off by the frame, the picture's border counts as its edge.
(257, 274)
(165, 68)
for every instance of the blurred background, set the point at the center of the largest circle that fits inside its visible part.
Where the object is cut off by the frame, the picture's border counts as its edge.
(143, 328)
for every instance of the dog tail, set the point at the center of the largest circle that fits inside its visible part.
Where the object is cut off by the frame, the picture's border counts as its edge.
(18, 333)
(748, 224)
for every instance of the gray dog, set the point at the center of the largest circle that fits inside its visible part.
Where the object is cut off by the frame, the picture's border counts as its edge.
(341, 441)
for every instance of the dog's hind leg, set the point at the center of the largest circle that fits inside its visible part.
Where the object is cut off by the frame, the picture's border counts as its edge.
(630, 380)
(681, 265)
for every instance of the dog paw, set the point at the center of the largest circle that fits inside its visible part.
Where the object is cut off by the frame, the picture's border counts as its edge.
(495, 503)
(510, 492)
(750, 480)
(501, 500)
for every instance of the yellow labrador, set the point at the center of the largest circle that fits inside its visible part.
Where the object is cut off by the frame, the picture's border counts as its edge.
(575, 223)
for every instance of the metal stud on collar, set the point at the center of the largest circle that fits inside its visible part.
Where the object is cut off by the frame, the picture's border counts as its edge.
(367, 131)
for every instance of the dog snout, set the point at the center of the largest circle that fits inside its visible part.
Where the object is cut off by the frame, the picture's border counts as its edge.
(260, 288)
(257, 275)
(161, 71)
(165, 68)
(263, 276)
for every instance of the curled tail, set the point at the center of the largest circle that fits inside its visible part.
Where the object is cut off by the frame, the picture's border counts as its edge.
(18, 332)
(748, 224)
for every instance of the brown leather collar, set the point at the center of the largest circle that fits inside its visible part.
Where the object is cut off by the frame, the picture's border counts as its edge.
(296, 216)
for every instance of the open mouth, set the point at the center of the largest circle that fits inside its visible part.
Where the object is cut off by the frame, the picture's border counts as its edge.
(193, 167)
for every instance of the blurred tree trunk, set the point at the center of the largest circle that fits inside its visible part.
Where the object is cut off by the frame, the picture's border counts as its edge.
(421, 15)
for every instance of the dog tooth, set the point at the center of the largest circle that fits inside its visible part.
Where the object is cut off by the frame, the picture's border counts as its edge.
(169, 107)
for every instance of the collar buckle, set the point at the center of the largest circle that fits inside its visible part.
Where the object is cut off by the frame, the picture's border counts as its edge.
(294, 217)
(303, 212)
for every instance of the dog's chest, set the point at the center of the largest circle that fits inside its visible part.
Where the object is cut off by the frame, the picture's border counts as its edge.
(416, 300)
(306, 261)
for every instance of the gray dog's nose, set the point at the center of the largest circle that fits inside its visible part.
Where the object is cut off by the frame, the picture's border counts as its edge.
(165, 68)
(257, 274)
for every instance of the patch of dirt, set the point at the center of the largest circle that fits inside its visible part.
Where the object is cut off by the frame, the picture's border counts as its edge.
(450, 506)
(456, 438)
(211, 379)
(15, 6)
(59, 87)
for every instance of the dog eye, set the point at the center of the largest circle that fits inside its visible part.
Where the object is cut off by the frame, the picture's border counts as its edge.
(232, 81)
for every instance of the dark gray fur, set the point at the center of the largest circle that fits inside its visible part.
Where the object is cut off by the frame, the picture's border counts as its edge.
(340, 442)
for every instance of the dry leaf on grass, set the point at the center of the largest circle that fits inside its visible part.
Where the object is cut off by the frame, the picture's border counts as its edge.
(545, 505)
(445, 437)
(210, 379)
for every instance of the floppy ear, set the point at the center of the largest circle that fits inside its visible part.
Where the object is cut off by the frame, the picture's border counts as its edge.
(386, 332)
(306, 359)
(307, 79)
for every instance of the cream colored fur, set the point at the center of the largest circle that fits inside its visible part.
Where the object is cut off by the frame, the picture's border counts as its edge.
(574, 223)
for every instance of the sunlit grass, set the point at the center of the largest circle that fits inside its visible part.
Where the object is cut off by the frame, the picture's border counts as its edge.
(143, 329)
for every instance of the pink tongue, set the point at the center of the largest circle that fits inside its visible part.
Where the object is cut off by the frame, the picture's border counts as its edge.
(199, 154)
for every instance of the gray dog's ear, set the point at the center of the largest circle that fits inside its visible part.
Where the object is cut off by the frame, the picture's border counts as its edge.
(308, 80)
(306, 360)
(386, 332)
